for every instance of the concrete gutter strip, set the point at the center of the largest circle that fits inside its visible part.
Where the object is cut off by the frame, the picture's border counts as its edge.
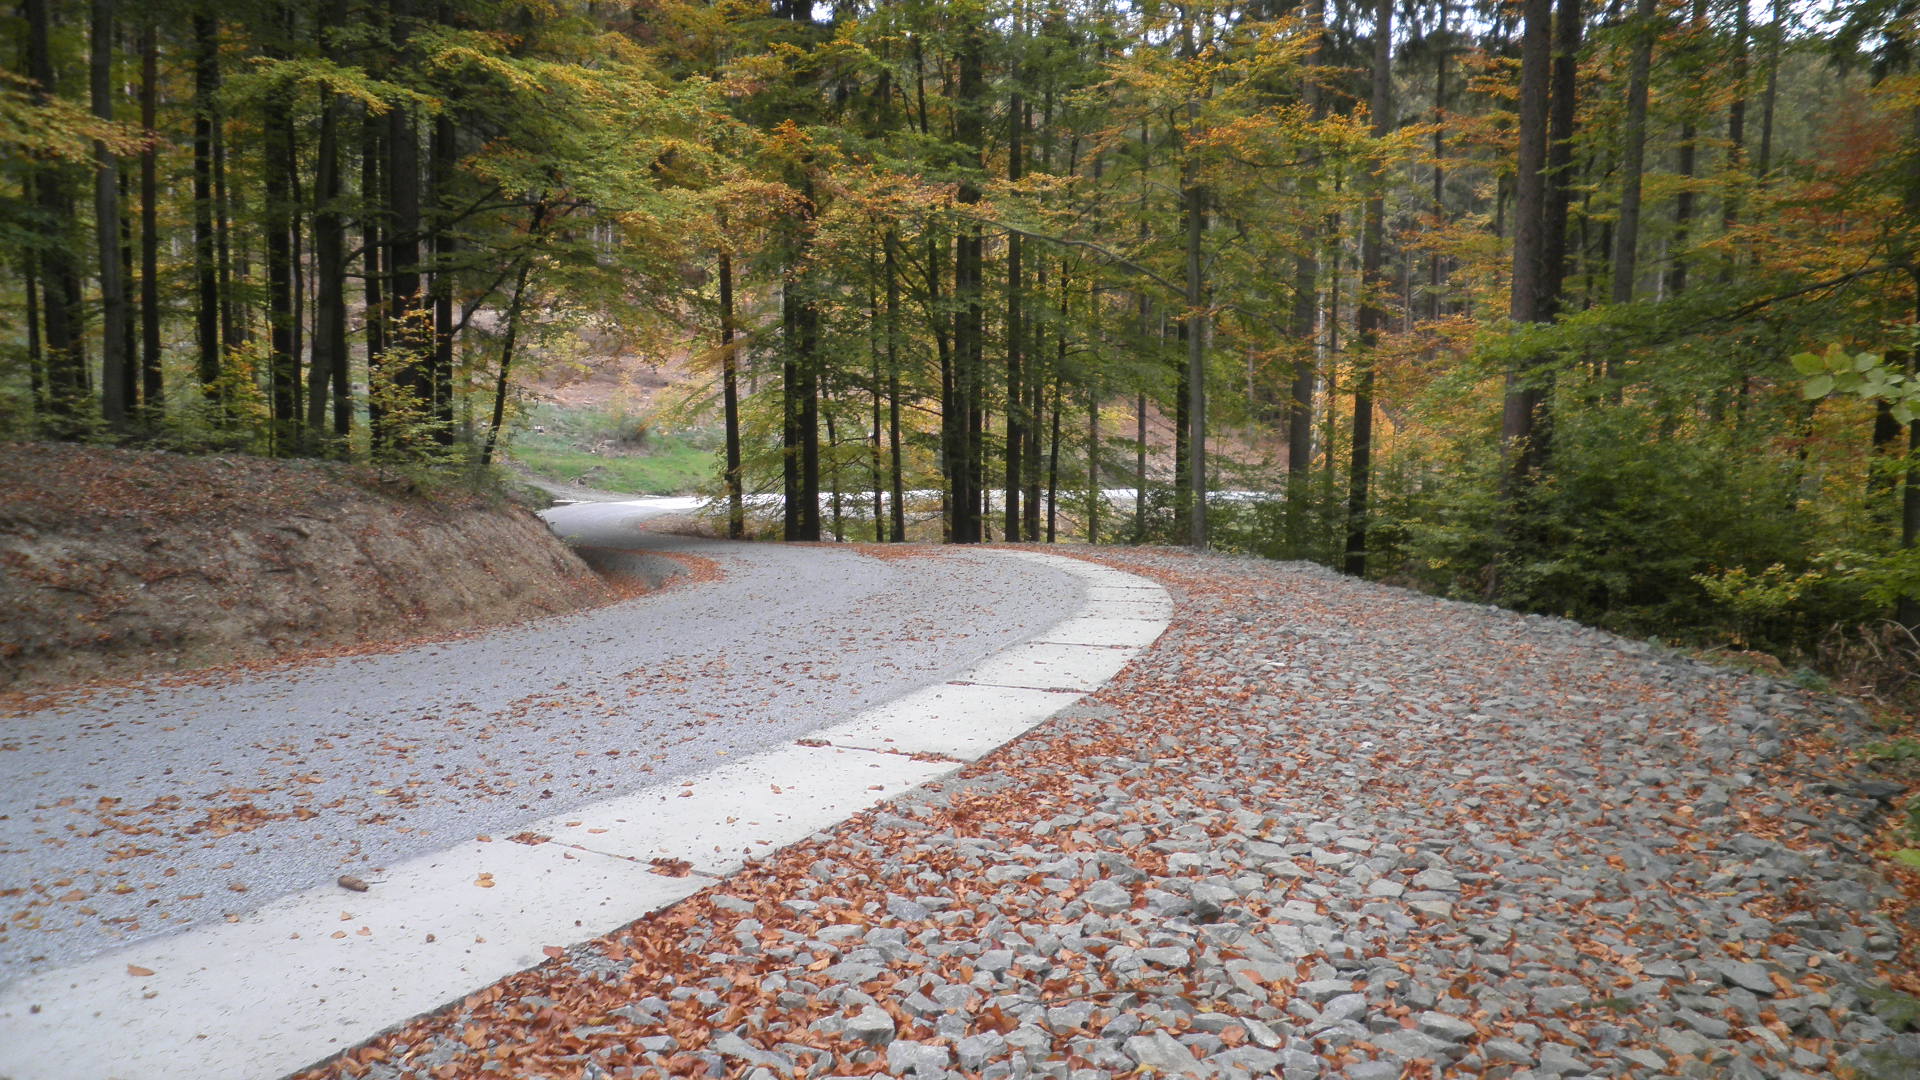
(320, 971)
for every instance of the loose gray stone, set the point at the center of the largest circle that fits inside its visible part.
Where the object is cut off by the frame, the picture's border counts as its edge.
(1441, 1026)
(1161, 1051)
(1746, 975)
(906, 1056)
(1344, 1008)
(1107, 897)
(871, 1026)
(975, 1050)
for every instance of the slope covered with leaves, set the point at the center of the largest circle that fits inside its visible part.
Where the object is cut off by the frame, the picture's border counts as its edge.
(123, 562)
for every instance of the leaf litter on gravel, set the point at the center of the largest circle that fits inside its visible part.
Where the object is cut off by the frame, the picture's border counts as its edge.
(1321, 827)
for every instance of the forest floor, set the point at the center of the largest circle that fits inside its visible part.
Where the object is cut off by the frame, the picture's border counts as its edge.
(1320, 828)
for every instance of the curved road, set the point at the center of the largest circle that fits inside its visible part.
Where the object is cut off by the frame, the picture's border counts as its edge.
(141, 810)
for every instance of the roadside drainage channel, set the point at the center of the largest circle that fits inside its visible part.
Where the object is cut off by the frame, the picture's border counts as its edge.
(317, 972)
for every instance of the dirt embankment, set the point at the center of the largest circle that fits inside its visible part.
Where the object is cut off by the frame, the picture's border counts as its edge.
(121, 562)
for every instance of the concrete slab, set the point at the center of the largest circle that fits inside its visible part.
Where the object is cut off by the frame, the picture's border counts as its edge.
(318, 971)
(1045, 666)
(1114, 579)
(1150, 607)
(1128, 593)
(722, 819)
(960, 721)
(1095, 630)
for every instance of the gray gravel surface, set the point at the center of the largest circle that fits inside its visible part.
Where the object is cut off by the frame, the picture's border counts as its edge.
(133, 811)
(1320, 829)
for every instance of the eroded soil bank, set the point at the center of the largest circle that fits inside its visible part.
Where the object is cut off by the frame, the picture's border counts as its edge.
(117, 563)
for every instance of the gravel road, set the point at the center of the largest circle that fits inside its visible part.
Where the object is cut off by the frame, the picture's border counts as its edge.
(134, 811)
(1321, 828)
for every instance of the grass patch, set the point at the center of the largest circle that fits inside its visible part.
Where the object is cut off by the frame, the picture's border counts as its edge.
(613, 450)
(669, 466)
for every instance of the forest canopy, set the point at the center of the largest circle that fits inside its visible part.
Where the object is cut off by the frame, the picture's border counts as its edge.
(1598, 310)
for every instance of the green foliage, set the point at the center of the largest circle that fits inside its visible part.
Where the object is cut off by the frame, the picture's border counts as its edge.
(1863, 375)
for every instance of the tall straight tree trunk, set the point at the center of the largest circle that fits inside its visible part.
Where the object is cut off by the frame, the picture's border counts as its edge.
(1907, 611)
(1016, 391)
(875, 397)
(152, 385)
(233, 329)
(409, 329)
(1626, 232)
(1736, 115)
(1304, 325)
(1434, 275)
(1140, 457)
(444, 150)
(1522, 433)
(373, 246)
(964, 460)
(328, 367)
(1035, 378)
(800, 449)
(730, 397)
(64, 347)
(1775, 34)
(1371, 317)
(807, 390)
(1689, 162)
(893, 387)
(116, 367)
(1053, 465)
(833, 460)
(279, 165)
(1559, 181)
(206, 84)
(1094, 497)
(36, 356)
(1194, 202)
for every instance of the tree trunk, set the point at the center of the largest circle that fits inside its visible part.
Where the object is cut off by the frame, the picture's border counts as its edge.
(1053, 466)
(1626, 232)
(206, 84)
(1736, 114)
(36, 356)
(874, 398)
(152, 385)
(964, 462)
(1559, 181)
(730, 397)
(1016, 391)
(373, 245)
(1689, 153)
(503, 381)
(410, 330)
(893, 387)
(1370, 318)
(1194, 204)
(1775, 34)
(444, 245)
(233, 328)
(64, 347)
(279, 165)
(327, 371)
(117, 393)
(1521, 427)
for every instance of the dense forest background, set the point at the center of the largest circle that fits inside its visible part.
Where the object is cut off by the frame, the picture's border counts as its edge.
(1604, 310)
